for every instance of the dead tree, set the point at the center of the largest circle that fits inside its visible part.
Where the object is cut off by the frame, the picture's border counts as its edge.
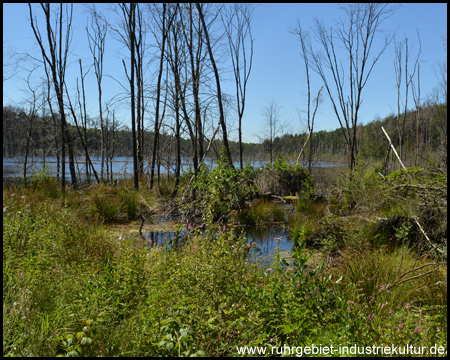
(30, 116)
(176, 58)
(305, 43)
(96, 40)
(83, 140)
(238, 28)
(83, 116)
(399, 67)
(140, 104)
(165, 26)
(55, 126)
(57, 60)
(271, 113)
(416, 98)
(356, 35)
(129, 38)
(196, 57)
(219, 91)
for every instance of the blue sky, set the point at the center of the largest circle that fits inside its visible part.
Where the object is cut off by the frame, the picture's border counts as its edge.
(278, 71)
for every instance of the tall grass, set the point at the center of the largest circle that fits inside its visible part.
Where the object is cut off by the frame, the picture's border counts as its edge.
(262, 213)
(71, 287)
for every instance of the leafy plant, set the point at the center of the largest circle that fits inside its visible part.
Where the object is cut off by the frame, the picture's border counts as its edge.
(178, 339)
(74, 346)
(220, 192)
(205, 296)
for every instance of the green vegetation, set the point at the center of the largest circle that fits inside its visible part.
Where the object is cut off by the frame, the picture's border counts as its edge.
(72, 285)
(219, 193)
(282, 178)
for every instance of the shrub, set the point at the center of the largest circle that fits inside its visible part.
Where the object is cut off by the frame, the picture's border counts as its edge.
(363, 190)
(219, 192)
(282, 178)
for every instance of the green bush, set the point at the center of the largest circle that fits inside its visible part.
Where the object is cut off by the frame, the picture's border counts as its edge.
(282, 178)
(218, 194)
(360, 190)
(106, 207)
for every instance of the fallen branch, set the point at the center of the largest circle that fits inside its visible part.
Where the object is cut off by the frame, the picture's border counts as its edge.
(426, 237)
(417, 276)
(390, 286)
(393, 148)
(143, 218)
(279, 197)
(300, 154)
(417, 268)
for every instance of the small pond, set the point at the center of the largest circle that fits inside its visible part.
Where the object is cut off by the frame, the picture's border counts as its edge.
(268, 240)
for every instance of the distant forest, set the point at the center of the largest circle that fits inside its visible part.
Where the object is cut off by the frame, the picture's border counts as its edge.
(19, 132)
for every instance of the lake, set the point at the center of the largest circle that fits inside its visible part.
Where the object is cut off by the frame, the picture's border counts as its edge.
(122, 166)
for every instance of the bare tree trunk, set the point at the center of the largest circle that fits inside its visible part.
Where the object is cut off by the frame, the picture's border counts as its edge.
(305, 43)
(30, 117)
(132, 34)
(55, 128)
(219, 92)
(416, 98)
(195, 74)
(140, 93)
(357, 37)
(98, 50)
(84, 121)
(130, 27)
(111, 154)
(165, 28)
(195, 68)
(158, 96)
(83, 141)
(174, 60)
(58, 68)
(243, 14)
(408, 80)
(44, 137)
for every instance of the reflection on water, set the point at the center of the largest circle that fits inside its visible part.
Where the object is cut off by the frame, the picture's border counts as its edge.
(268, 240)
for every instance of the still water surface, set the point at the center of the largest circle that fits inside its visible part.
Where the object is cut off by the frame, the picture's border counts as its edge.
(122, 167)
(269, 240)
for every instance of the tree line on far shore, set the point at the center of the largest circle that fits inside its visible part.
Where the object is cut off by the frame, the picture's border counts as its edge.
(326, 145)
